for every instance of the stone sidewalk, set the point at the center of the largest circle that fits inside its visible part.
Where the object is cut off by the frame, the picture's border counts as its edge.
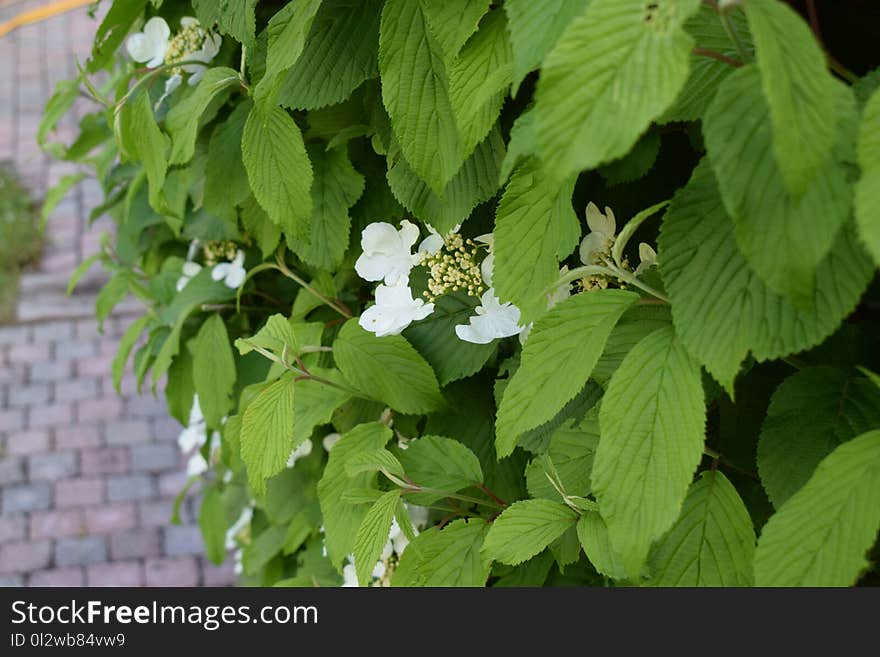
(87, 477)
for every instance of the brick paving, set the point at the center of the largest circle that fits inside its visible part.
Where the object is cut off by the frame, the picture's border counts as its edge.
(87, 477)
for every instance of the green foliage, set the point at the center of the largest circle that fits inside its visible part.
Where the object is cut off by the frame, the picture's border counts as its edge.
(631, 311)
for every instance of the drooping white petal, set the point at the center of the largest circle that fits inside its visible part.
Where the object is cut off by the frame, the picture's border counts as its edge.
(235, 529)
(394, 310)
(601, 223)
(181, 283)
(235, 277)
(431, 244)
(329, 440)
(196, 465)
(349, 576)
(191, 268)
(302, 451)
(486, 268)
(379, 570)
(220, 271)
(189, 21)
(592, 246)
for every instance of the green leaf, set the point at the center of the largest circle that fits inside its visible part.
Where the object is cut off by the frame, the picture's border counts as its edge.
(479, 78)
(798, 90)
(707, 73)
(535, 26)
(81, 270)
(112, 31)
(226, 181)
(213, 370)
(183, 119)
(374, 460)
(143, 141)
(126, 343)
(452, 22)
(615, 69)
(445, 557)
(111, 295)
(278, 169)
(314, 403)
(574, 332)
(475, 182)
(179, 388)
(260, 551)
(636, 163)
(811, 413)
(721, 309)
(340, 53)
(56, 194)
(266, 429)
(652, 424)
(388, 369)
(415, 91)
(233, 17)
(58, 105)
(434, 338)
(711, 544)
(523, 142)
(821, 534)
(441, 463)
(341, 518)
(783, 238)
(287, 32)
(259, 227)
(868, 189)
(593, 534)
(212, 522)
(571, 452)
(336, 187)
(525, 529)
(535, 227)
(373, 534)
(634, 324)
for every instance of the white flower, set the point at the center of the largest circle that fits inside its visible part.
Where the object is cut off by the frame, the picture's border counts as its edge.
(394, 310)
(210, 48)
(195, 434)
(190, 269)
(432, 244)
(418, 515)
(493, 320)
(231, 273)
(196, 465)
(387, 252)
(300, 452)
(598, 242)
(648, 257)
(379, 570)
(238, 556)
(150, 45)
(329, 440)
(243, 522)
(349, 576)
(489, 261)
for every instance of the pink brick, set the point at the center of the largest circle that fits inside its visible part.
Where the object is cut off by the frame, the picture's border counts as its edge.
(180, 571)
(65, 577)
(79, 389)
(11, 420)
(110, 518)
(121, 573)
(79, 492)
(57, 524)
(109, 460)
(33, 441)
(12, 528)
(58, 262)
(25, 556)
(155, 513)
(28, 353)
(103, 408)
(53, 415)
(78, 436)
(94, 365)
(171, 483)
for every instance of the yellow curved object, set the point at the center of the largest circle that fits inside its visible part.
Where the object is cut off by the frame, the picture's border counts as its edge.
(40, 14)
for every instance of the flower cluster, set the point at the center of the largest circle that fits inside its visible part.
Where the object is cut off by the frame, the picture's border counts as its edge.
(193, 438)
(596, 248)
(391, 552)
(154, 46)
(231, 273)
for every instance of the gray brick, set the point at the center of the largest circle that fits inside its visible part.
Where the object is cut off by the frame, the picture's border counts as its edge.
(51, 371)
(80, 551)
(53, 331)
(11, 581)
(125, 488)
(135, 544)
(52, 466)
(27, 497)
(181, 540)
(128, 432)
(154, 457)
(11, 470)
(79, 389)
(73, 349)
(36, 393)
(14, 334)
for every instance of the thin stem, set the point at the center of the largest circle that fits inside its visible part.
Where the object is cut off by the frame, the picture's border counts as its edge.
(488, 492)
(616, 272)
(840, 69)
(241, 68)
(704, 52)
(632, 280)
(415, 488)
(282, 267)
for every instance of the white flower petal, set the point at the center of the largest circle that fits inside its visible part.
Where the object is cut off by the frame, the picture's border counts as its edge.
(486, 268)
(329, 440)
(189, 21)
(431, 244)
(196, 465)
(493, 320)
(220, 271)
(191, 268)
(592, 245)
(235, 277)
(181, 283)
(349, 576)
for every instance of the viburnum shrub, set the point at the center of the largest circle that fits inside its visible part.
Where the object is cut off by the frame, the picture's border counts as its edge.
(533, 292)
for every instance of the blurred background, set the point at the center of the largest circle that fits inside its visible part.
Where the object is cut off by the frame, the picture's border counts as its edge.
(88, 478)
